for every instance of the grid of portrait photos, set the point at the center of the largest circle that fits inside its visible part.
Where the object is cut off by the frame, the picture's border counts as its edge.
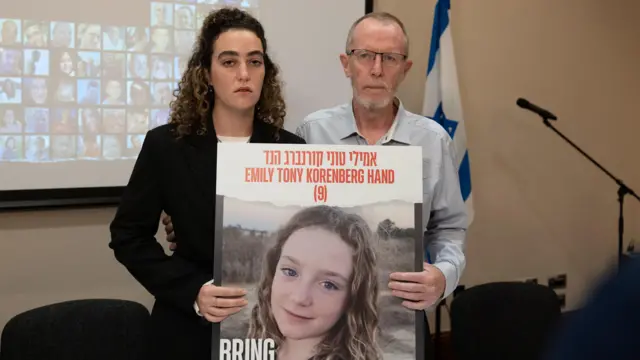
(86, 91)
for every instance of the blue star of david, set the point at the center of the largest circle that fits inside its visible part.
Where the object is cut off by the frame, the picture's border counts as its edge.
(448, 124)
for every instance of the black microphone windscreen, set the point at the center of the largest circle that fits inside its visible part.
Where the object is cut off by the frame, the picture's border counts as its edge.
(522, 102)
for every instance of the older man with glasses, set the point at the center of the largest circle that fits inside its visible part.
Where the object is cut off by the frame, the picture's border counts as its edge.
(376, 61)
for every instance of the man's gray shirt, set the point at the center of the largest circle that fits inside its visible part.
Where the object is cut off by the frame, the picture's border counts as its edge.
(444, 210)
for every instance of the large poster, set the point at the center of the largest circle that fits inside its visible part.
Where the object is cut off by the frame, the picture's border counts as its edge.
(312, 233)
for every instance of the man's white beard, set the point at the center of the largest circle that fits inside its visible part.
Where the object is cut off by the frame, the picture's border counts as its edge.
(373, 105)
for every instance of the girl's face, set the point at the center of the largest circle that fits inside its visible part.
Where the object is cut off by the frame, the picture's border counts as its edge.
(311, 284)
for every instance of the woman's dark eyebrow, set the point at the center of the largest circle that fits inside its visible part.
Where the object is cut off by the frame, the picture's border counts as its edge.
(235, 53)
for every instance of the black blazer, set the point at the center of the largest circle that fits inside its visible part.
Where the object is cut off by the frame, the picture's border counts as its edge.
(177, 176)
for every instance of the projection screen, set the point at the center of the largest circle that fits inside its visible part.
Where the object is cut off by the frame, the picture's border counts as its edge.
(81, 82)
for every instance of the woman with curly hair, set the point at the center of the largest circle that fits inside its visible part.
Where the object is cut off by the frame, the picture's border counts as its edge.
(318, 294)
(230, 91)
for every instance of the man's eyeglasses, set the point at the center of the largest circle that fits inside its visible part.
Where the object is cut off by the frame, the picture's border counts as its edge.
(368, 57)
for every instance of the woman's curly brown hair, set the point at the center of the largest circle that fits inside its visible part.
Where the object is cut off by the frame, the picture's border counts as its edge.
(190, 108)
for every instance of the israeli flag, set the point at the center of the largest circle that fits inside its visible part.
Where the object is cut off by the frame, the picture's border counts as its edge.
(442, 96)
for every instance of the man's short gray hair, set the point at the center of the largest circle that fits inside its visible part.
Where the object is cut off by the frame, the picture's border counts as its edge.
(383, 17)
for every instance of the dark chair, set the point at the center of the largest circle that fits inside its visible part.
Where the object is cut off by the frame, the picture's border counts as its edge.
(503, 320)
(91, 329)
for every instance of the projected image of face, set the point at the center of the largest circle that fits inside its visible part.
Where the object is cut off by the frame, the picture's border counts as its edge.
(64, 121)
(158, 117)
(113, 93)
(161, 93)
(138, 67)
(63, 147)
(10, 90)
(112, 146)
(35, 34)
(161, 14)
(36, 62)
(66, 92)
(180, 66)
(311, 284)
(89, 36)
(37, 148)
(113, 38)
(9, 122)
(89, 92)
(184, 17)
(89, 146)
(160, 40)
(138, 121)
(137, 38)
(161, 67)
(90, 120)
(375, 78)
(62, 34)
(134, 144)
(10, 62)
(114, 121)
(89, 64)
(9, 32)
(139, 93)
(66, 64)
(37, 120)
(38, 90)
(237, 69)
(184, 41)
(113, 65)
(11, 148)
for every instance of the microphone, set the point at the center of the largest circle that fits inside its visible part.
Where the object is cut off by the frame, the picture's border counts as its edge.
(525, 104)
(622, 188)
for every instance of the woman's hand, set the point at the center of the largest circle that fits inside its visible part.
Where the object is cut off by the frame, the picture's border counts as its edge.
(168, 229)
(217, 303)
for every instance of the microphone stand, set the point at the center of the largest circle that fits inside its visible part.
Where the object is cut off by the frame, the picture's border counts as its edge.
(622, 188)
